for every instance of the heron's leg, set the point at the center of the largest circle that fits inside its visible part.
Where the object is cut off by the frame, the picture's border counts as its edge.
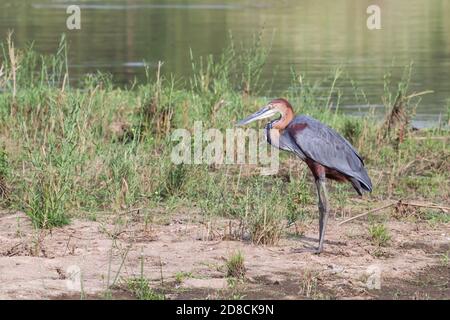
(323, 211)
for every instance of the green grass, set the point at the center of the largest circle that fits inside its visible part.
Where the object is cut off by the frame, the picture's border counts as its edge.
(379, 234)
(444, 258)
(448, 112)
(235, 265)
(141, 289)
(76, 149)
(181, 276)
(436, 217)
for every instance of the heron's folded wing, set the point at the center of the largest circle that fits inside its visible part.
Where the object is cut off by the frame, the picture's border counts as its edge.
(325, 146)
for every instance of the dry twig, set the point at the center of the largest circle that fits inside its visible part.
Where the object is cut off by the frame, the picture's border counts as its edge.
(399, 202)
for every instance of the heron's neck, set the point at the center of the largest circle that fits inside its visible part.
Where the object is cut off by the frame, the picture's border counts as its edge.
(286, 117)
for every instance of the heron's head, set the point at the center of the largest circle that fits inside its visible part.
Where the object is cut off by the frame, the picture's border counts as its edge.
(280, 105)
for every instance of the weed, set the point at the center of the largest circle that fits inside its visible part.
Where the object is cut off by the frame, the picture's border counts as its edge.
(379, 234)
(5, 172)
(46, 207)
(263, 212)
(308, 284)
(437, 217)
(445, 258)
(181, 276)
(235, 265)
(235, 287)
(448, 112)
(299, 196)
(171, 184)
(352, 129)
(140, 288)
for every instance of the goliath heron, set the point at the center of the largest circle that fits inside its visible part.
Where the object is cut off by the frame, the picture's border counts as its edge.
(327, 153)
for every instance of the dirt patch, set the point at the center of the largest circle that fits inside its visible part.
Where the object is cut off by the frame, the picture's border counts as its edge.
(432, 283)
(179, 256)
(114, 295)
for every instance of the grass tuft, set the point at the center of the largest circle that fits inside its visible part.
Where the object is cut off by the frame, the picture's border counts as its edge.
(140, 288)
(379, 234)
(235, 265)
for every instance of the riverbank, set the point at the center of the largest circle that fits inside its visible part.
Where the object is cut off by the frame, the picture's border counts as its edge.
(182, 257)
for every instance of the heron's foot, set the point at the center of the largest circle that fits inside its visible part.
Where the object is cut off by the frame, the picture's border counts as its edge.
(306, 250)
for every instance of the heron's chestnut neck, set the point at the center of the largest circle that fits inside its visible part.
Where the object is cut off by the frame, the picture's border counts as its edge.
(287, 114)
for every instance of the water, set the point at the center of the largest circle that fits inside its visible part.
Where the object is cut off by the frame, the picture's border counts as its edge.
(312, 36)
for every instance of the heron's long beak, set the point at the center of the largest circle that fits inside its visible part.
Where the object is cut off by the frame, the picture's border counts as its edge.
(264, 113)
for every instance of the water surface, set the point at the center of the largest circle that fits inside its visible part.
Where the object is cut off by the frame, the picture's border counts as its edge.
(314, 37)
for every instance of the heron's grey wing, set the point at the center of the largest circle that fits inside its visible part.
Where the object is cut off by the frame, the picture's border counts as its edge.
(287, 143)
(325, 146)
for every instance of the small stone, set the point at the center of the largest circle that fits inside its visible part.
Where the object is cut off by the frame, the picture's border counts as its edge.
(246, 236)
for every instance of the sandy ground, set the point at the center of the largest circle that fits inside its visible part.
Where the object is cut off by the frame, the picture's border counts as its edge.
(45, 265)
